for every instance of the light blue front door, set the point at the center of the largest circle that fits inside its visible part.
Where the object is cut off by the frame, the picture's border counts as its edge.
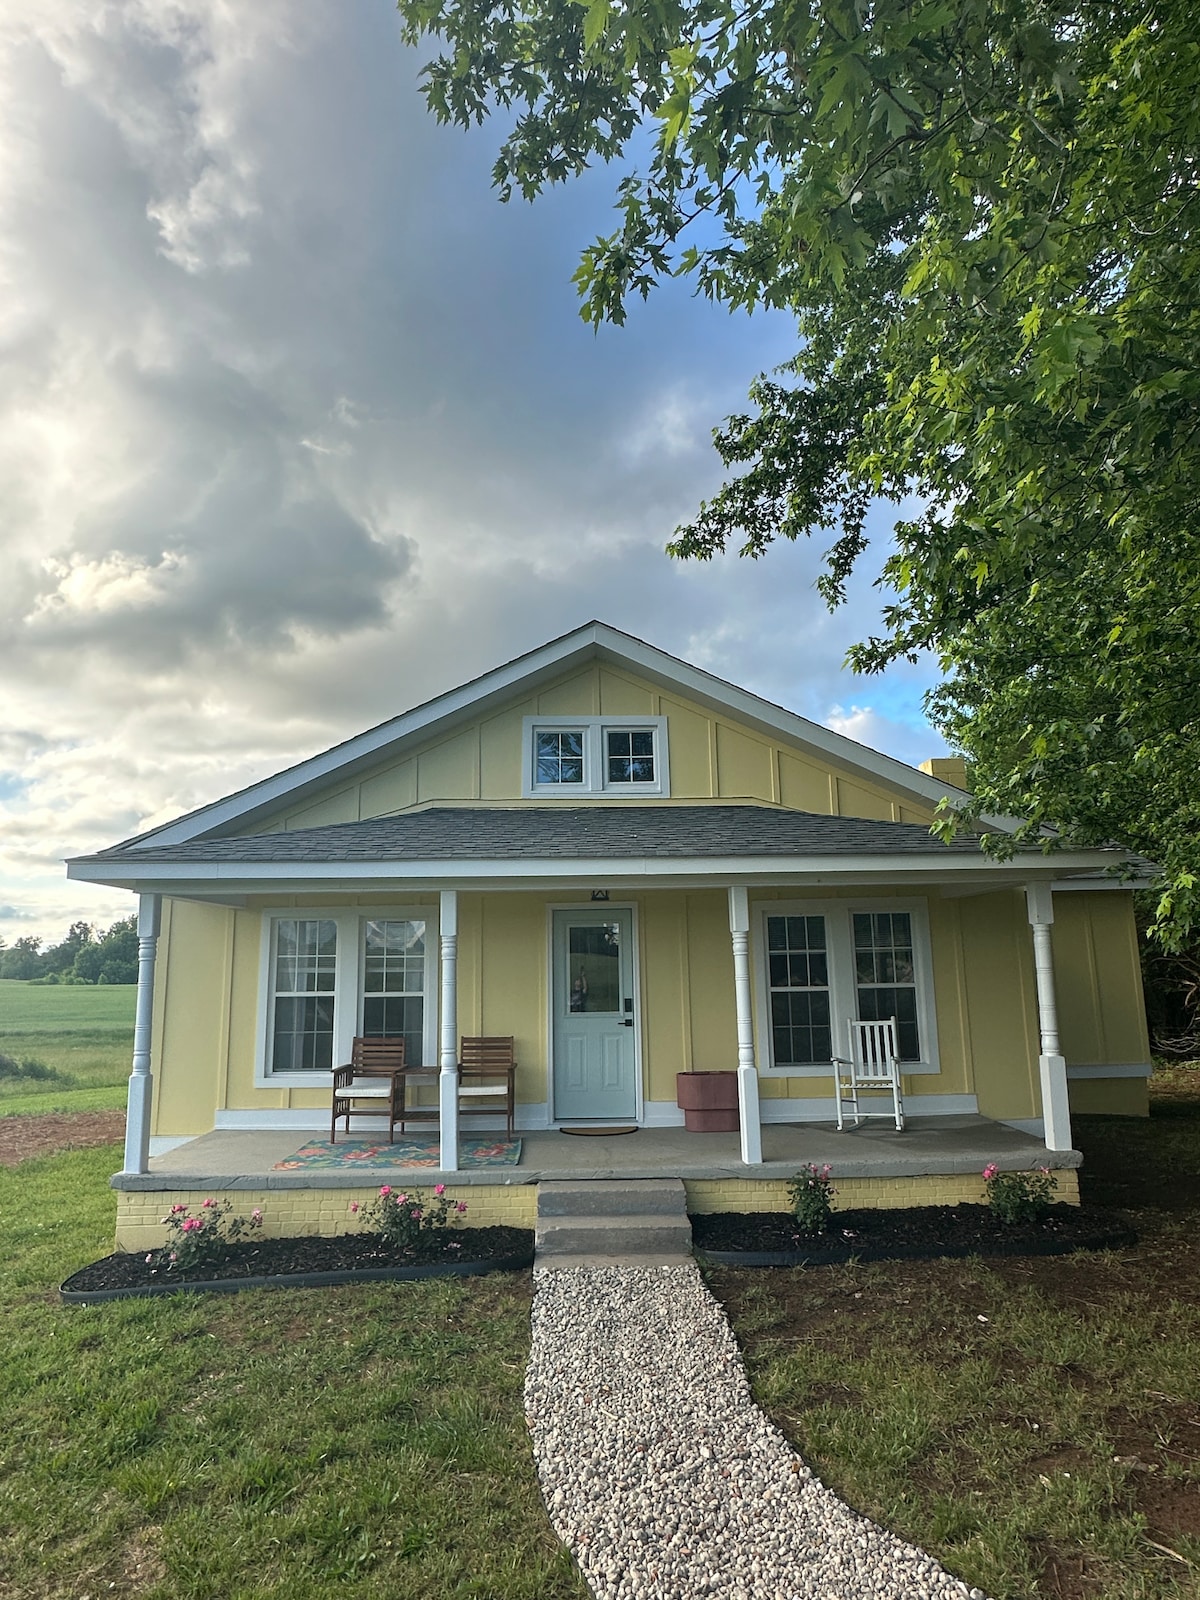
(595, 1052)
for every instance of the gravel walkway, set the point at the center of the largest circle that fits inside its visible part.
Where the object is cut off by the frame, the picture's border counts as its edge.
(661, 1474)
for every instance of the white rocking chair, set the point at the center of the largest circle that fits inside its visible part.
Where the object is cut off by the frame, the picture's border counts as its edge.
(873, 1067)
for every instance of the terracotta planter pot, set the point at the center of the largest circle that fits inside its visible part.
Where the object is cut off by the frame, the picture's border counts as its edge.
(708, 1100)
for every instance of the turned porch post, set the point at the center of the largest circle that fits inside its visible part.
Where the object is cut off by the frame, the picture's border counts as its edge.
(1056, 1109)
(448, 1074)
(141, 1082)
(747, 1072)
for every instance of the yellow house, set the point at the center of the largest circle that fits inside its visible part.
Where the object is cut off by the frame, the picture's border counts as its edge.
(636, 870)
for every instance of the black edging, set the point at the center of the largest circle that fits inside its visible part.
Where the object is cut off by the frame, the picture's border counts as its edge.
(294, 1280)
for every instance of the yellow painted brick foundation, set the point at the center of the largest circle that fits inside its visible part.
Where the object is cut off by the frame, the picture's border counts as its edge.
(873, 1194)
(291, 1213)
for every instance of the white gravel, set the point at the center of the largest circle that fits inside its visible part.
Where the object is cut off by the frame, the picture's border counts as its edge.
(664, 1478)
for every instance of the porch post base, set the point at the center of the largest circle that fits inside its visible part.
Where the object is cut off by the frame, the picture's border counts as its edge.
(749, 1115)
(137, 1122)
(1056, 1107)
(448, 1107)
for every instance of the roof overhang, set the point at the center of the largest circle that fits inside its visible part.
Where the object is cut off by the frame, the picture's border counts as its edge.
(230, 882)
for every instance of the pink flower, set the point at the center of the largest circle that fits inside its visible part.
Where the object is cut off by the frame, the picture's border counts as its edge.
(439, 1189)
(256, 1215)
(177, 1208)
(209, 1203)
(1045, 1171)
(460, 1206)
(385, 1191)
(354, 1208)
(174, 1257)
(417, 1215)
(990, 1171)
(149, 1259)
(401, 1199)
(190, 1224)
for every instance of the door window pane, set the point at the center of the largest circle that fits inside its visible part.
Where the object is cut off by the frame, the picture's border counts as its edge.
(886, 977)
(302, 1014)
(594, 967)
(394, 983)
(798, 973)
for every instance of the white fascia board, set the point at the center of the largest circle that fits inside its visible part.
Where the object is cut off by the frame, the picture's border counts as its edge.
(595, 639)
(257, 877)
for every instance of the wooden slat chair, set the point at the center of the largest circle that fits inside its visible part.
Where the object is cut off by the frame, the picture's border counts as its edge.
(369, 1085)
(872, 1068)
(487, 1078)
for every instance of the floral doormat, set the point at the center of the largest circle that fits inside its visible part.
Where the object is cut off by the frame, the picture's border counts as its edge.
(403, 1153)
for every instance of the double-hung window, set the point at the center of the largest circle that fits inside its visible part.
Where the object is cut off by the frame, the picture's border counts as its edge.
(328, 976)
(821, 963)
(617, 757)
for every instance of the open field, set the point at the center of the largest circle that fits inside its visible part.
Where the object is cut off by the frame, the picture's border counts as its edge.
(313, 1443)
(82, 1033)
(1033, 1422)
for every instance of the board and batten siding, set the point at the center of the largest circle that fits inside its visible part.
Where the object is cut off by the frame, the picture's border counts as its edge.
(712, 757)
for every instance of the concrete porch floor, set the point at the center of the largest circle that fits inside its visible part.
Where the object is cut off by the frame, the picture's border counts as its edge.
(928, 1146)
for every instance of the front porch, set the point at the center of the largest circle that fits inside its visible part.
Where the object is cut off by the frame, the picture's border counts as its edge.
(935, 1161)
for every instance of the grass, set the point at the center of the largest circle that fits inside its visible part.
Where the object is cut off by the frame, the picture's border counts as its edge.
(82, 1032)
(1035, 1423)
(300, 1442)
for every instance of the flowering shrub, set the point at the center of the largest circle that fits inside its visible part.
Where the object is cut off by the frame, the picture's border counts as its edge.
(406, 1221)
(198, 1239)
(1019, 1196)
(811, 1194)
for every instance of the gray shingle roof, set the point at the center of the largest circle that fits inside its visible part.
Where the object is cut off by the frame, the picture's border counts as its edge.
(476, 833)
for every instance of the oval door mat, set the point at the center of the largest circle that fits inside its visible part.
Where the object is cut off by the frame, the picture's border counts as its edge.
(599, 1133)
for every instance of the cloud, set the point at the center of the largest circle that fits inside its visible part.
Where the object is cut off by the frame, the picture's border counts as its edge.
(299, 426)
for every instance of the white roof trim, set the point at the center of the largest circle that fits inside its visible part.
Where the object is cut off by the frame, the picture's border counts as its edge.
(251, 877)
(595, 640)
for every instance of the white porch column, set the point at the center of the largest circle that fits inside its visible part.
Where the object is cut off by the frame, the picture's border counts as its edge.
(747, 1072)
(141, 1082)
(1056, 1108)
(448, 1075)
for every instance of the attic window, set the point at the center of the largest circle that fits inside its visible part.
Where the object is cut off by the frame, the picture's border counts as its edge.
(579, 757)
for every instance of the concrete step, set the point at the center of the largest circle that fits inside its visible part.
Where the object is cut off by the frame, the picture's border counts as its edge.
(619, 1236)
(613, 1197)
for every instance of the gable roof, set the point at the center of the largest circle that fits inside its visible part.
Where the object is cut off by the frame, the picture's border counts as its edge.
(594, 641)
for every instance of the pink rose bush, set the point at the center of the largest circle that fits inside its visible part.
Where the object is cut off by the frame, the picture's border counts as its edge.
(198, 1240)
(811, 1193)
(407, 1222)
(1019, 1196)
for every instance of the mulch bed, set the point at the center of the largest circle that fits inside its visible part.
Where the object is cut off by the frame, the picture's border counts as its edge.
(772, 1238)
(282, 1258)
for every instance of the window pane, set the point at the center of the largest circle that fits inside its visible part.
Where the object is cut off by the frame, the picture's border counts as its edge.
(797, 965)
(394, 983)
(305, 974)
(559, 756)
(630, 756)
(303, 1036)
(886, 975)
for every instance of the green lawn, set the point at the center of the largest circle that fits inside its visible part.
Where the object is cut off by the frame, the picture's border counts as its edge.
(306, 1443)
(82, 1033)
(1034, 1422)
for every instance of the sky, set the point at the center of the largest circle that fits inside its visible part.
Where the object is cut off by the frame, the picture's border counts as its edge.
(299, 426)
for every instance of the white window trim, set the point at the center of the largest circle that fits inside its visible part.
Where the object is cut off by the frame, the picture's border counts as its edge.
(349, 978)
(595, 766)
(842, 997)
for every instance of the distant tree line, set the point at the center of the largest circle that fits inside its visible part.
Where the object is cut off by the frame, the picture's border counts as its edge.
(84, 956)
